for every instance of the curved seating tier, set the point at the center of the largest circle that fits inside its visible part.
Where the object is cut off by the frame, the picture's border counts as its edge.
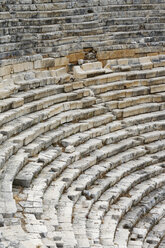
(63, 27)
(82, 162)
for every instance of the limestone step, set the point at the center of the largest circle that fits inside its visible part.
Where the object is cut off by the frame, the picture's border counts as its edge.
(27, 136)
(136, 110)
(29, 114)
(50, 46)
(95, 169)
(155, 236)
(96, 215)
(36, 192)
(8, 205)
(120, 85)
(147, 225)
(51, 137)
(139, 190)
(134, 101)
(77, 214)
(49, 215)
(142, 63)
(156, 72)
(103, 79)
(120, 94)
(155, 146)
(105, 183)
(123, 35)
(157, 88)
(53, 13)
(133, 7)
(134, 14)
(64, 217)
(136, 214)
(146, 127)
(70, 192)
(117, 85)
(68, 175)
(143, 118)
(37, 94)
(126, 41)
(23, 238)
(25, 85)
(26, 175)
(41, 104)
(80, 138)
(30, 121)
(153, 136)
(7, 88)
(11, 103)
(135, 27)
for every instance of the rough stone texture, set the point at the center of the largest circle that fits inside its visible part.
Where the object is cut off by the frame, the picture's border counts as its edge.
(82, 124)
(79, 30)
(82, 162)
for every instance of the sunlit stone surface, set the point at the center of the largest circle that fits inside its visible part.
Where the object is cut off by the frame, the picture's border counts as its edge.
(82, 124)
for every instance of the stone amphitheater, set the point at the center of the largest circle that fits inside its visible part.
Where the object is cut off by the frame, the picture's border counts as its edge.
(82, 124)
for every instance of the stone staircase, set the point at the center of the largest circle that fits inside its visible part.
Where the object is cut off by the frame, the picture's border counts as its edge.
(82, 161)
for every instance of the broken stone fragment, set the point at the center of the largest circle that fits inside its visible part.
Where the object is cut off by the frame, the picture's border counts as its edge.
(70, 149)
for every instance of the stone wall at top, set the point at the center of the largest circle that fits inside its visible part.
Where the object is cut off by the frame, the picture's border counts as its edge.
(57, 28)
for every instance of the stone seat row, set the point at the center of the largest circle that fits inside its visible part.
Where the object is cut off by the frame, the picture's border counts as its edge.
(93, 133)
(63, 166)
(26, 80)
(28, 135)
(65, 46)
(134, 14)
(141, 63)
(44, 103)
(123, 28)
(116, 213)
(70, 5)
(89, 26)
(117, 41)
(56, 233)
(107, 119)
(32, 80)
(92, 228)
(25, 125)
(42, 143)
(145, 206)
(154, 221)
(95, 222)
(12, 145)
(134, 215)
(154, 85)
(138, 70)
(137, 110)
(66, 174)
(87, 11)
(20, 101)
(48, 144)
(115, 25)
(75, 200)
(73, 29)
